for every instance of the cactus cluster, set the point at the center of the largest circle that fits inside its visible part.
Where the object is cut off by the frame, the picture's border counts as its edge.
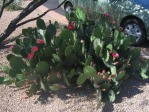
(84, 50)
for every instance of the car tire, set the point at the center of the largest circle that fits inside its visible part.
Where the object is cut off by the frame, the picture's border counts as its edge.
(136, 28)
(68, 7)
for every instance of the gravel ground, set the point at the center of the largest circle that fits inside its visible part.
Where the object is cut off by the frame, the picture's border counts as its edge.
(133, 97)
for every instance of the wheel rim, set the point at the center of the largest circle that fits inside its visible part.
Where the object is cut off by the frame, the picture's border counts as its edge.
(68, 9)
(134, 30)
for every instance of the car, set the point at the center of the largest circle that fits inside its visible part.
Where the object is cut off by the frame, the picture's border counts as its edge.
(131, 15)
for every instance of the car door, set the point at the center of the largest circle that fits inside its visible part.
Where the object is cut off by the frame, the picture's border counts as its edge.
(113, 7)
(81, 3)
(102, 6)
(97, 7)
(87, 5)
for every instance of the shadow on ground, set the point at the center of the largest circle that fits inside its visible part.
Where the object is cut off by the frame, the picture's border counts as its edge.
(145, 44)
(129, 89)
(67, 93)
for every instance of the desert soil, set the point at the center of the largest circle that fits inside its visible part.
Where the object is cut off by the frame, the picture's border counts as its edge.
(134, 96)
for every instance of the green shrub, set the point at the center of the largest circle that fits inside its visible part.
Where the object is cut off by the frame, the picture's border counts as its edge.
(84, 50)
(16, 5)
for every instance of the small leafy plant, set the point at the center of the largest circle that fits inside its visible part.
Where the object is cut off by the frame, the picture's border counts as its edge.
(16, 5)
(95, 51)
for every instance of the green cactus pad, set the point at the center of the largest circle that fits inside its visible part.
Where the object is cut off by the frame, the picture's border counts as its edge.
(66, 34)
(52, 29)
(27, 32)
(12, 73)
(56, 58)
(54, 87)
(97, 42)
(72, 74)
(23, 53)
(81, 79)
(20, 77)
(110, 47)
(1, 80)
(111, 96)
(99, 79)
(120, 76)
(16, 50)
(88, 61)
(20, 83)
(80, 14)
(27, 41)
(42, 67)
(68, 50)
(57, 41)
(33, 88)
(106, 55)
(116, 35)
(18, 42)
(48, 51)
(5, 69)
(6, 80)
(41, 24)
(106, 86)
(9, 56)
(17, 63)
(32, 77)
(89, 71)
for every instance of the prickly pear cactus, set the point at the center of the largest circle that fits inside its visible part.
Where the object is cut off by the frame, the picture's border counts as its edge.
(85, 50)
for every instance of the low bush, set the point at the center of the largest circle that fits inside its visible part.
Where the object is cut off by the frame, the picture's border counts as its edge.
(16, 5)
(95, 51)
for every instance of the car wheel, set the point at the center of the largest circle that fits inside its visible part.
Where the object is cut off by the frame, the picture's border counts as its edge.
(135, 28)
(68, 7)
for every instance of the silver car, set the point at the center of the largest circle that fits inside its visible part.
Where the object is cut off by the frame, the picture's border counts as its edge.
(131, 15)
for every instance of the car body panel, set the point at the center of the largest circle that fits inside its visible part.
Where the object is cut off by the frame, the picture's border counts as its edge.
(118, 9)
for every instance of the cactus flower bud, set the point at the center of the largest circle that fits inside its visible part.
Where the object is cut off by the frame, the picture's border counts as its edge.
(103, 76)
(107, 15)
(98, 73)
(35, 81)
(110, 52)
(108, 72)
(121, 28)
(11, 47)
(26, 82)
(115, 63)
(92, 63)
(103, 71)
(26, 96)
(109, 78)
(115, 55)
(24, 87)
(103, 89)
(40, 41)
(34, 49)
(114, 22)
(71, 26)
(58, 75)
(82, 41)
(113, 75)
(30, 56)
